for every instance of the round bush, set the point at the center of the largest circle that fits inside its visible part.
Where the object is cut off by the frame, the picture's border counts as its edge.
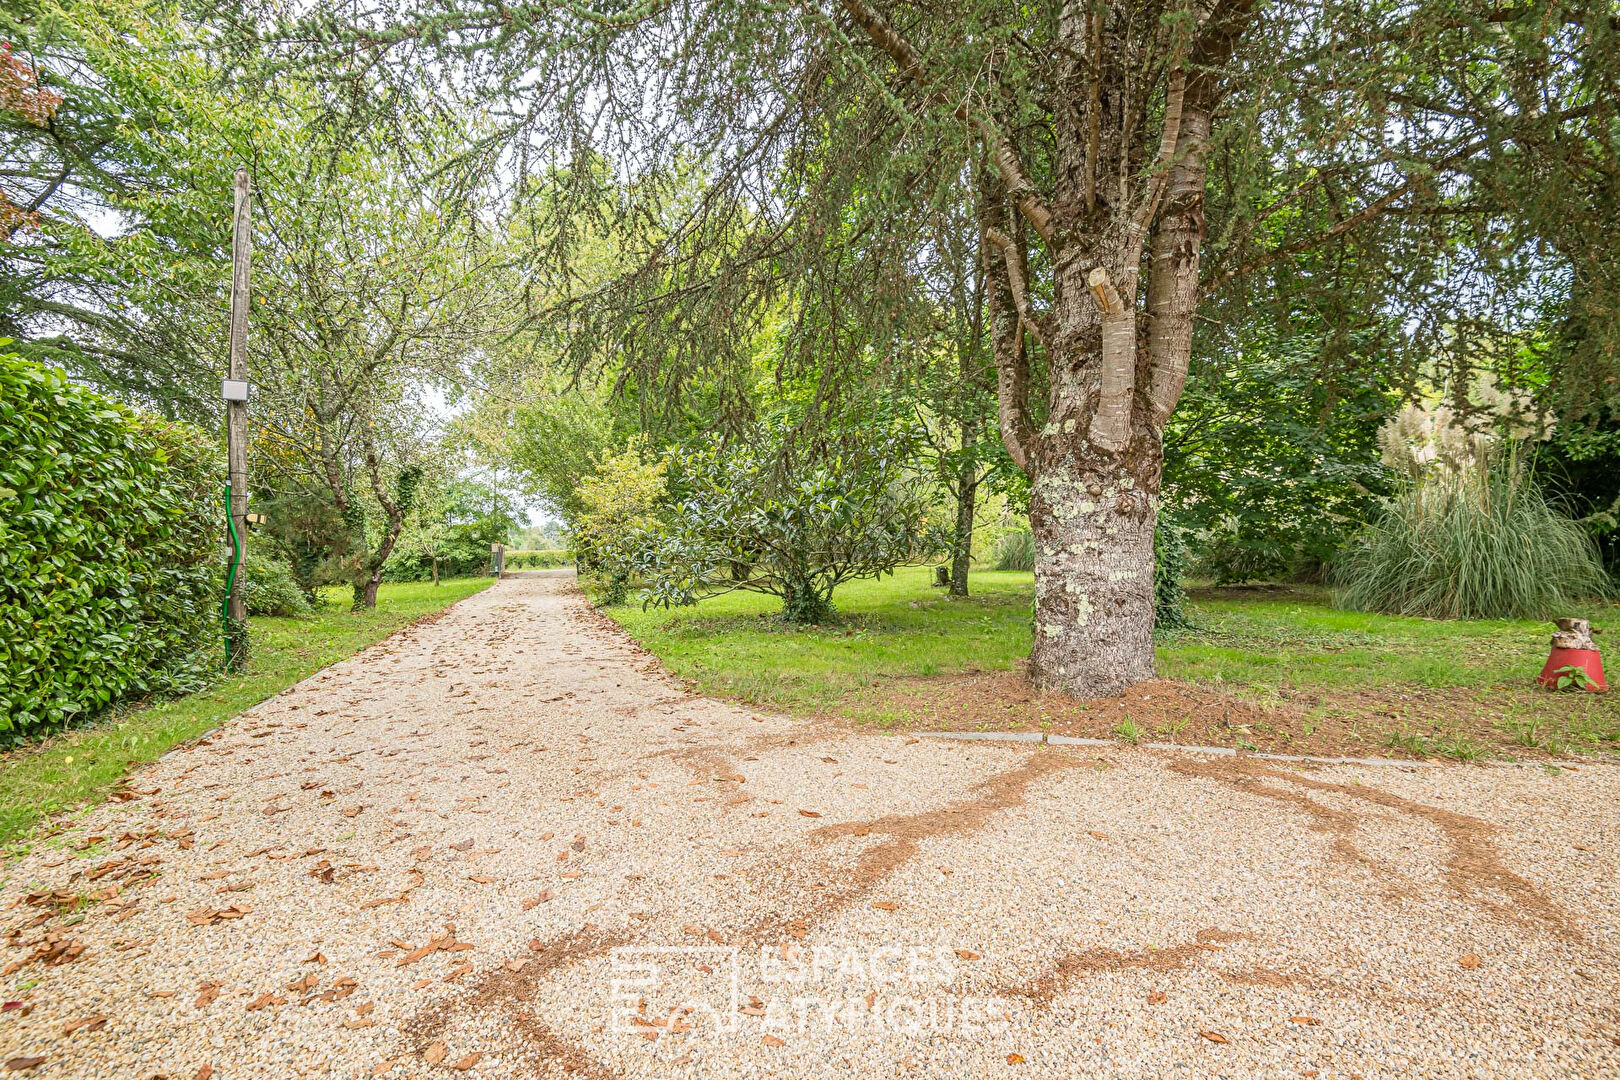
(109, 534)
(269, 587)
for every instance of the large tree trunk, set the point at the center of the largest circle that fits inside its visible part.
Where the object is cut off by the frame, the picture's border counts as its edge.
(1092, 516)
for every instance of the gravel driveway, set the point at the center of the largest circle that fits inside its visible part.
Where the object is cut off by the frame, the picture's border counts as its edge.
(502, 843)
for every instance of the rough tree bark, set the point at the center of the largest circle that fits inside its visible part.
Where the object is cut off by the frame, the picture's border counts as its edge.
(1118, 334)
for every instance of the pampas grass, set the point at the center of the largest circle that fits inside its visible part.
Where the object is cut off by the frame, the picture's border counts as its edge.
(1481, 542)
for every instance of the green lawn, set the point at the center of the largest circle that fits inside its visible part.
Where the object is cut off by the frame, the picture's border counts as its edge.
(1277, 647)
(79, 766)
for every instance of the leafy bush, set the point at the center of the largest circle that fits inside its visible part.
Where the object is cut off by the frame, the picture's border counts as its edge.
(1478, 543)
(1016, 551)
(109, 565)
(269, 588)
(1171, 558)
(619, 507)
(792, 517)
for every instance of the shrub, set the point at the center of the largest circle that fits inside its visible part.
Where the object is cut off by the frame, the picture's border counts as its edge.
(1171, 558)
(109, 536)
(791, 516)
(619, 508)
(1016, 551)
(1481, 542)
(269, 588)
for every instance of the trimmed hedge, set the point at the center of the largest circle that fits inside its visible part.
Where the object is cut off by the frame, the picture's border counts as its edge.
(109, 551)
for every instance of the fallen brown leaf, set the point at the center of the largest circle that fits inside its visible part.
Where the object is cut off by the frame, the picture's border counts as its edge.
(1015, 1059)
(810, 813)
(1158, 997)
(89, 1023)
(1303, 1020)
(435, 1053)
(1213, 1036)
(534, 901)
(885, 905)
(352, 811)
(772, 1040)
(356, 1025)
(469, 1061)
(204, 1073)
(19, 1064)
(264, 1001)
(482, 879)
(1469, 962)
(966, 954)
(382, 1067)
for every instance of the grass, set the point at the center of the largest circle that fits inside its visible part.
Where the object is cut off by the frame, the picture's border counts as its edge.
(1280, 648)
(79, 766)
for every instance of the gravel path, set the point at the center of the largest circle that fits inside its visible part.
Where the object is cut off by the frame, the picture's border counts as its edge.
(503, 844)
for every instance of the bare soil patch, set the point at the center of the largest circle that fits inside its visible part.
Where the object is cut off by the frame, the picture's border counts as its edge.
(1415, 723)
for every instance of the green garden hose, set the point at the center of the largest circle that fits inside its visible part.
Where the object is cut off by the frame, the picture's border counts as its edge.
(230, 574)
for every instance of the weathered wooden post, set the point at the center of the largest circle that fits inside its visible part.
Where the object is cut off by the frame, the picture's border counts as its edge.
(236, 395)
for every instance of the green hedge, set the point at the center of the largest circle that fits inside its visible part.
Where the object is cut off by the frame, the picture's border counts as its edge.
(109, 551)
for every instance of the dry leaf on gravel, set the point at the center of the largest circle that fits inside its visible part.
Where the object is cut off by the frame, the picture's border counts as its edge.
(578, 844)
(19, 1064)
(210, 916)
(204, 1073)
(1469, 962)
(810, 813)
(1213, 1036)
(314, 958)
(772, 1040)
(1158, 997)
(885, 905)
(88, 1023)
(382, 1067)
(535, 901)
(352, 811)
(966, 954)
(264, 1001)
(482, 879)
(207, 994)
(469, 1061)
(435, 1053)
(1015, 1059)
(1303, 1020)
(356, 1025)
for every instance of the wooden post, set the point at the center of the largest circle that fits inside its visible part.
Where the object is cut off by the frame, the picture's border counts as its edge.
(236, 416)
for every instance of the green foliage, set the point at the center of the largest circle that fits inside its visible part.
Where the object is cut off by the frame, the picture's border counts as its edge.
(792, 517)
(1016, 551)
(1268, 460)
(1171, 559)
(618, 511)
(109, 575)
(454, 526)
(538, 559)
(269, 587)
(1478, 543)
(1572, 677)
